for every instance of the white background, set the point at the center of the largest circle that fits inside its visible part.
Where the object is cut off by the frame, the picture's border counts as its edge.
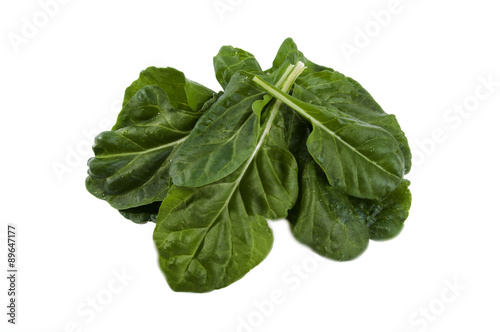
(66, 79)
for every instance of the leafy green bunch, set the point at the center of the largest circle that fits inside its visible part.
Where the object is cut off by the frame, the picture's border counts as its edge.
(297, 141)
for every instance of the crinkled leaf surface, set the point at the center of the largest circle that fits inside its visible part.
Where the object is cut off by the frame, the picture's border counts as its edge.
(332, 223)
(288, 51)
(238, 165)
(360, 159)
(225, 136)
(222, 139)
(131, 162)
(339, 226)
(209, 237)
(143, 213)
(346, 95)
(231, 60)
(327, 86)
(325, 219)
(205, 240)
(183, 94)
(385, 217)
(206, 236)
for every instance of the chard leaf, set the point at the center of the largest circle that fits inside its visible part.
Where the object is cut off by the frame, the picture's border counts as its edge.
(182, 93)
(325, 220)
(209, 237)
(339, 226)
(131, 162)
(362, 160)
(205, 240)
(327, 86)
(385, 217)
(142, 214)
(288, 51)
(231, 60)
(323, 217)
(348, 96)
(330, 222)
(306, 143)
(225, 136)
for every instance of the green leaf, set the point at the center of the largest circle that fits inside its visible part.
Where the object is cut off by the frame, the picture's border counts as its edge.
(222, 139)
(132, 161)
(211, 236)
(206, 236)
(270, 179)
(142, 214)
(327, 86)
(348, 96)
(297, 141)
(339, 226)
(325, 220)
(385, 217)
(288, 51)
(360, 159)
(230, 60)
(205, 240)
(333, 224)
(226, 134)
(182, 93)
(323, 217)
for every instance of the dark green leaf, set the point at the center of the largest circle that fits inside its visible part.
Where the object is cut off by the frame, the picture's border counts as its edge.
(206, 241)
(360, 159)
(222, 139)
(330, 222)
(142, 214)
(211, 168)
(182, 93)
(230, 60)
(323, 217)
(385, 217)
(131, 162)
(206, 236)
(288, 51)
(327, 86)
(226, 134)
(211, 236)
(325, 220)
(332, 88)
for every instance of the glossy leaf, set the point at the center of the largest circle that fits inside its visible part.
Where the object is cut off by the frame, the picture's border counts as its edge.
(288, 51)
(206, 242)
(225, 136)
(222, 139)
(299, 142)
(323, 218)
(329, 88)
(339, 226)
(360, 159)
(142, 214)
(332, 223)
(385, 217)
(206, 236)
(182, 93)
(231, 60)
(326, 221)
(131, 162)
(209, 237)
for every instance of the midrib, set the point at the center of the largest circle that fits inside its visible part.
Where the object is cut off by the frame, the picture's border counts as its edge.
(147, 150)
(304, 113)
